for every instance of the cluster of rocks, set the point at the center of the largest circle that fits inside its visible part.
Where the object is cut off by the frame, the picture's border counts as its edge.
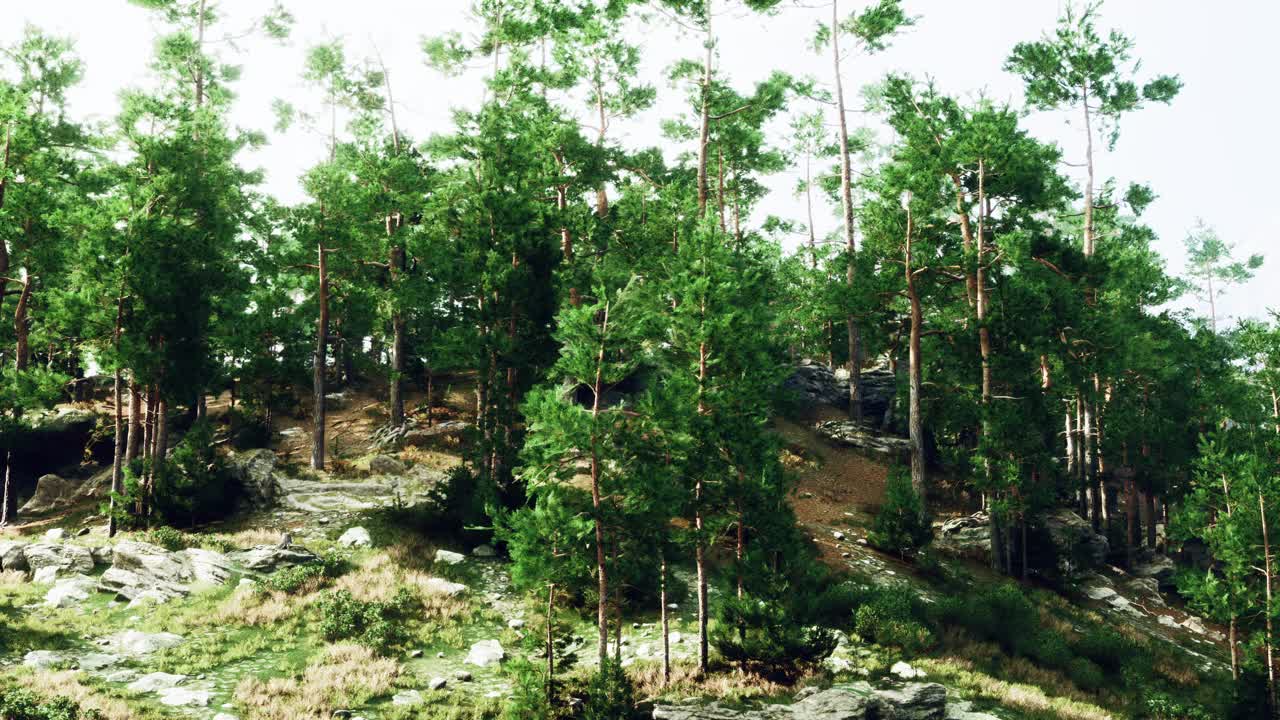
(865, 440)
(411, 434)
(1077, 549)
(849, 701)
(816, 383)
(170, 689)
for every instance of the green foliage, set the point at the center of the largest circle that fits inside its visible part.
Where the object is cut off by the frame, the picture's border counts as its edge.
(18, 704)
(168, 538)
(380, 626)
(610, 695)
(308, 577)
(195, 484)
(529, 692)
(902, 526)
(892, 616)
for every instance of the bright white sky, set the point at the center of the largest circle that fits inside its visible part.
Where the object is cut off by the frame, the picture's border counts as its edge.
(1213, 154)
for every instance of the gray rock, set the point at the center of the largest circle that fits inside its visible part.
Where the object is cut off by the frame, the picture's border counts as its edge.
(208, 567)
(485, 653)
(64, 558)
(135, 643)
(355, 537)
(102, 554)
(852, 701)
(462, 676)
(43, 659)
(70, 591)
(905, 671)
(874, 444)
(1077, 546)
(440, 586)
(1159, 568)
(256, 471)
(97, 661)
(12, 556)
(155, 682)
(55, 535)
(484, 551)
(386, 465)
(184, 697)
(437, 683)
(816, 383)
(52, 493)
(423, 436)
(269, 558)
(448, 557)
(968, 536)
(407, 697)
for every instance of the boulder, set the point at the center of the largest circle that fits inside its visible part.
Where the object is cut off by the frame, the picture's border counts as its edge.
(12, 556)
(851, 701)
(423, 436)
(256, 471)
(449, 557)
(71, 591)
(184, 697)
(905, 671)
(483, 551)
(355, 537)
(1076, 546)
(485, 653)
(62, 558)
(142, 570)
(135, 643)
(55, 535)
(208, 567)
(155, 682)
(440, 586)
(868, 442)
(437, 683)
(52, 493)
(968, 536)
(816, 384)
(43, 659)
(386, 465)
(407, 697)
(97, 661)
(1159, 568)
(269, 558)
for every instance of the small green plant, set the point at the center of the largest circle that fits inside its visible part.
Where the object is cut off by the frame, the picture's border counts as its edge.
(902, 526)
(376, 625)
(610, 695)
(168, 538)
(888, 616)
(17, 704)
(310, 577)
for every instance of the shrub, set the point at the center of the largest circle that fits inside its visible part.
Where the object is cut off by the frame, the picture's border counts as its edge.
(309, 577)
(376, 625)
(16, 704)
(610, 695)
(1085, 674)
(902, 526)
(890, 616)
(168, 538)
(528, 699)
(764, 632)
(191, 486)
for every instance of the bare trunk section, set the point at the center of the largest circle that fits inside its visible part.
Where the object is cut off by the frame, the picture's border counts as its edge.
(846, 206)
(915, 423)
(666, 626)
(118, 455)
(1266, 556)
(602, 582)
(319, 362)
(704, 136)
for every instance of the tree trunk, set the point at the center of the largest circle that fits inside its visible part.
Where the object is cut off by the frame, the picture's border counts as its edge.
(118, 455)
(551, 645)
(135, 423)
(1235, 649)
(602, 582)
(915, 422)
(319, 361)
(666, 627)
(1151, 520)
(1266, 556)
(984, 348)
(1131, 518)
(21, 327)
(1090, 470)
(846, 207)
(704, 135)
(395, 384)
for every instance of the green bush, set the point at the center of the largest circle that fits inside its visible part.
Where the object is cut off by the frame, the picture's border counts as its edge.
(889, 616)
(902, 526)
(376, 625)
(528, 699)
(17, 704)
(764, 632)
(1085, 674)
(168, 538)
(610, 695)
(191, 486)
(311, 576)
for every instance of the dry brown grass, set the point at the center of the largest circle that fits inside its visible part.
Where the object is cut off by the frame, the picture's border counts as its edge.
(247, 606)
(344, 676)
(731, 685)
(12, 577)
(379, 577)
(960, 673)
(65, 684)
(249, 537)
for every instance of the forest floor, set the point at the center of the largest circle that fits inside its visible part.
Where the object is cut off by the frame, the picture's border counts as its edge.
(261, 654)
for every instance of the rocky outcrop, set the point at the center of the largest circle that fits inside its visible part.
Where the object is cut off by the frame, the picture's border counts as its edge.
(816, 383)
(852, 701)
(968, 536)
(386, 465)
(418, 486)
(12, 556)
(1076, 545)
(393, 437)
(269, 558)
(41, 558)
(141, 570)
(485, 653)
(256, 471)
(52, 493)
(862, 439)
